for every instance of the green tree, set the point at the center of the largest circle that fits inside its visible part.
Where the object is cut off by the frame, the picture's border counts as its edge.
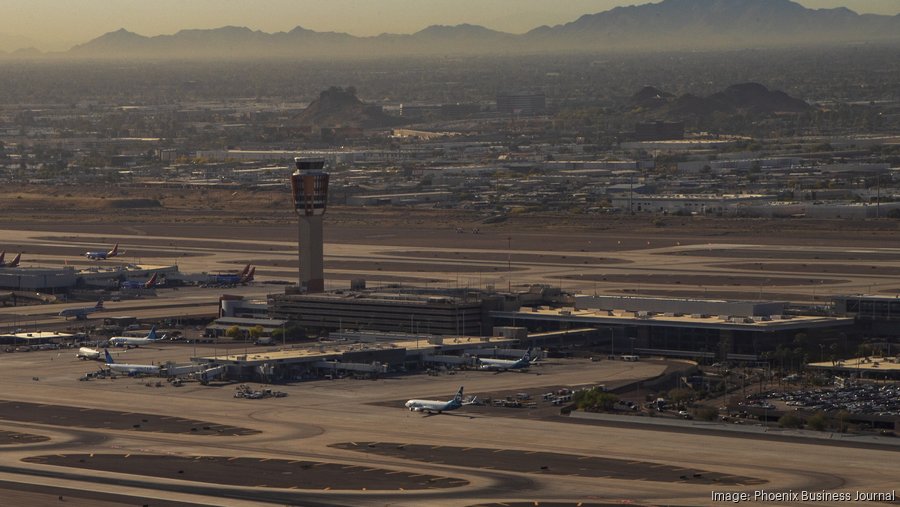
(841, 419)
(594, 400)
(680, 396)
(707, 414)
(790, 420)
(290, 332)
(234, 332)
(817, 422)
(255, 332)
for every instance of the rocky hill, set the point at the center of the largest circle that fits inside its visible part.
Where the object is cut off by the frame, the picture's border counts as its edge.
(746, 98)
(339, 107)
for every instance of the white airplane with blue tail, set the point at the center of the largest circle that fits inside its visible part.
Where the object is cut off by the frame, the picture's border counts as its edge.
(435, 406)
(499, 365)
(130, 369)
(134, 341)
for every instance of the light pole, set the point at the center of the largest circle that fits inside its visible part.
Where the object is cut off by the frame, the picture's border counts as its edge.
(509, 263)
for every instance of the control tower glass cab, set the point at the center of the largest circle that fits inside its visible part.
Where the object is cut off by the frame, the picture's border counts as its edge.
(309, 186)
(309, 190)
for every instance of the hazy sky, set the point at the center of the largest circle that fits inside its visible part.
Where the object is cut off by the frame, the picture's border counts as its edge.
(59, 24)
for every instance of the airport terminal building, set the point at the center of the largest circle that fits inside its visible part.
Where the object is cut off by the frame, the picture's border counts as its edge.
(384, 311)
(672, 327)
(875, 315)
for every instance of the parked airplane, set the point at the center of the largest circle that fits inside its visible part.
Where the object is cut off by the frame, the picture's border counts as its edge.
(130, 369)
(88, 353)
(103, 255)
(81, 313)
(506, 364)
(137, 284)
(246, 275)
(434, 406)
(11, 264)
(132, 341)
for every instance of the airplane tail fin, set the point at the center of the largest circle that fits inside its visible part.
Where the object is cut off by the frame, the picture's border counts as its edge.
(151, 282)
(114, 252)
(152, 334)
(459, 395)
(2, 255)
(109, 358)
(15, 262)
(245, 270)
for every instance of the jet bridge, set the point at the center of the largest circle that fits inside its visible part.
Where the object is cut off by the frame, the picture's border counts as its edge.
(497, 353)
(212, 373)
(176, 370)
(374, 367)
(446, 359)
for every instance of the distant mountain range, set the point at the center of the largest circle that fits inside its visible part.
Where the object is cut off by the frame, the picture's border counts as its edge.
(667, 25)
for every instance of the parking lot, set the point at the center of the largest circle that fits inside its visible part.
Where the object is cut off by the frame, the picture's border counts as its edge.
(856, 398)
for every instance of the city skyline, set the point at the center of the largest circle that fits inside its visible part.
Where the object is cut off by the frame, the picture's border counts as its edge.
(48, 24)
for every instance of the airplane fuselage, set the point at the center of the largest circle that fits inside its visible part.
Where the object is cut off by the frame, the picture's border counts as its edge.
(81, 313)
(122, 341)
(502, 365)
(104, 254)
(436, 406)
(432, 406)
(88, 353)
(136, 341)
(130, 369)
(78, 313)
(133, 369)
(507, 364)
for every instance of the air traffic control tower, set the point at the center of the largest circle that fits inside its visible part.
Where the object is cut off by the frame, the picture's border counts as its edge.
(309, 188)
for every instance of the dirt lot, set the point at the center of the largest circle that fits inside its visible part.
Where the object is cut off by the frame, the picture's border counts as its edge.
(12, 438)
(546, 463)
(240, 471)
(712, 279)
(94, 418)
